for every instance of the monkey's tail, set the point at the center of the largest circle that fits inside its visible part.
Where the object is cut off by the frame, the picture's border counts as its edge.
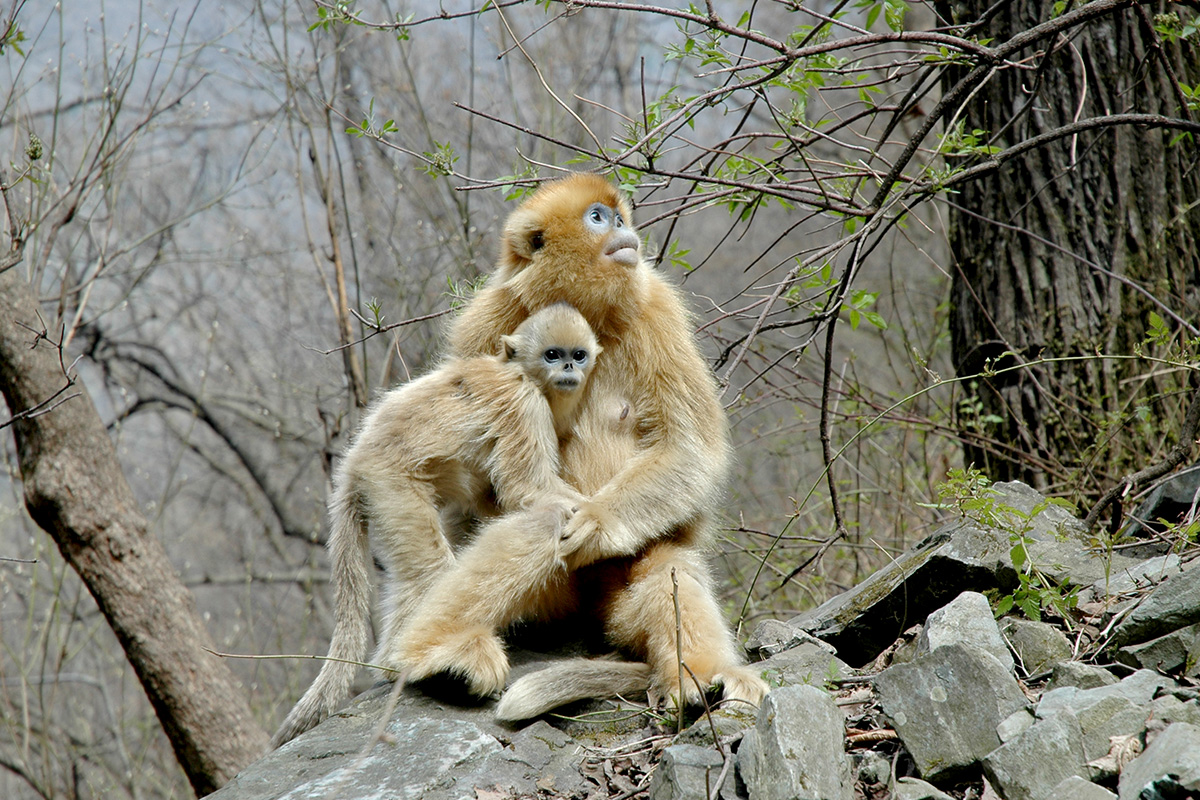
(349, 555)
(570, 680)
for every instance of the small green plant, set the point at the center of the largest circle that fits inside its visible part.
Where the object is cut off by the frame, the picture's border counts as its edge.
(970, 492)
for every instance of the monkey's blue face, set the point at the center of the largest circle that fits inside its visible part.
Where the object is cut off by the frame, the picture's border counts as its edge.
(566, 366)
(620, 242)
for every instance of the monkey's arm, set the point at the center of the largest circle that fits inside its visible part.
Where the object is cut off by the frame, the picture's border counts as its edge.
(523, 465)
(676, 476)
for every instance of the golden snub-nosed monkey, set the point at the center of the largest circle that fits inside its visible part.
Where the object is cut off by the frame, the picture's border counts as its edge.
(652, 494)
(477, 426)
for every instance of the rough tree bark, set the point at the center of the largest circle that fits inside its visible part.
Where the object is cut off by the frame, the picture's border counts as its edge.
(75, 490)
(1046, 246)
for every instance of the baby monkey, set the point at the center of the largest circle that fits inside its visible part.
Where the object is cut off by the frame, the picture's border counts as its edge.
(473, 428)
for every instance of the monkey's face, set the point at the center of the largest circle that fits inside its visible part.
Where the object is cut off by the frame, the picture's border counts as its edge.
(572, 241)
(565, 367)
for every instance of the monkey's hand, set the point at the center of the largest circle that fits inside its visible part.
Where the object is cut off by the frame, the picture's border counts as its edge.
(589, 536)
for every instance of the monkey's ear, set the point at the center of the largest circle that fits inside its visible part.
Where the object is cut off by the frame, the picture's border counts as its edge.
(509, 345)
(523, 235)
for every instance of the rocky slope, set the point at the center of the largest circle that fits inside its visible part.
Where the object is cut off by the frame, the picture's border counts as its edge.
(905, 687)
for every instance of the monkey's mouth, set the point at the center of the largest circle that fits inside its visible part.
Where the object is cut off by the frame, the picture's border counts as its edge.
(566, 384)
(625, 256)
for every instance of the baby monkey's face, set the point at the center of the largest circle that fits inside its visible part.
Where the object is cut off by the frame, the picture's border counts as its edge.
(565, 366)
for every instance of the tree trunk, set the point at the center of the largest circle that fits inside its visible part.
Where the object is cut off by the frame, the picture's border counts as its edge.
(75, 490)
(1046, 248)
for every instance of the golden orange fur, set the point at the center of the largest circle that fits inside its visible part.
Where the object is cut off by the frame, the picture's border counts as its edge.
(653, 483)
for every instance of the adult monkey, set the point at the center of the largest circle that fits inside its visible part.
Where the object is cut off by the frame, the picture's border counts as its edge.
(649, 522)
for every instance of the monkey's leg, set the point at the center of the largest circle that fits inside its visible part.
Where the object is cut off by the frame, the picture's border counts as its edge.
(510, 572)
(641, 617)
(412, 543)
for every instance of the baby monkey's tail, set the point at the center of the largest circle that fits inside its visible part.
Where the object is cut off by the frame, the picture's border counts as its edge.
(568, 681)
(349, 555)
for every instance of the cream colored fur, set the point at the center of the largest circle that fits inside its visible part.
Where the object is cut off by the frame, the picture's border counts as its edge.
(447, 440)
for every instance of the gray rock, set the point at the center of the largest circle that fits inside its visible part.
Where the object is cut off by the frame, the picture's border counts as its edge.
(967, 619)
(946, 706)
(686, 772)
(1170, 708)
(917, 789)
(1136, 577)
(961, 556)
(1039, 646)
(1040, 758)
(1178, 650)
(794, 752)
(1077, 788)
(1014, 724)
(1139, 688)
(871, 768)
(1168, 768)
(811, 662)
(1081, 676)
(773, 636)
(1108, 717)
(429, 749)
(1173, 604)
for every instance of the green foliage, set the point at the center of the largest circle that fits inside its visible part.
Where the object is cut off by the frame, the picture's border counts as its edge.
(12, 36)
(369, 127)
(970, 492)
(859, 309)
(439, 162)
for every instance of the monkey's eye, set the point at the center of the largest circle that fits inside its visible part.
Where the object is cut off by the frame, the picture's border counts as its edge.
(536, 240)
(618, 220)
(598, 217)
(553, 355)
(580, 357)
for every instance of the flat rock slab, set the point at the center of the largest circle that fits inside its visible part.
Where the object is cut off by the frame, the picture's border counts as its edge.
(428, 750)
(961, 556)
(1174, 604)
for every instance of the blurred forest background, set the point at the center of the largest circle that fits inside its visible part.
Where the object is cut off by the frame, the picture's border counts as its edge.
(907, 234)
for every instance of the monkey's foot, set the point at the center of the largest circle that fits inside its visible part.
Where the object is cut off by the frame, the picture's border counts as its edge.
(742, 686)
(475, 654)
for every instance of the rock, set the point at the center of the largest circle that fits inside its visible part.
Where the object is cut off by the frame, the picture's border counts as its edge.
(1169, 768)
(794, 751)
(1139, 688)
(728, 721)
(1014, 724)
(1039, 646)
(961, 556)
(1135, 577)
(1178, 650)
(686, 772)
(1076, 788)
(1173, 604)
(429, 750)
(1110, 716)
(946, 706)
(916, 789)
(1171, 500)
(1081, 676)
(811, 662)
(967, 619)
(1038, 759)
(774, 636)
(1170, 708)
(871, 768)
